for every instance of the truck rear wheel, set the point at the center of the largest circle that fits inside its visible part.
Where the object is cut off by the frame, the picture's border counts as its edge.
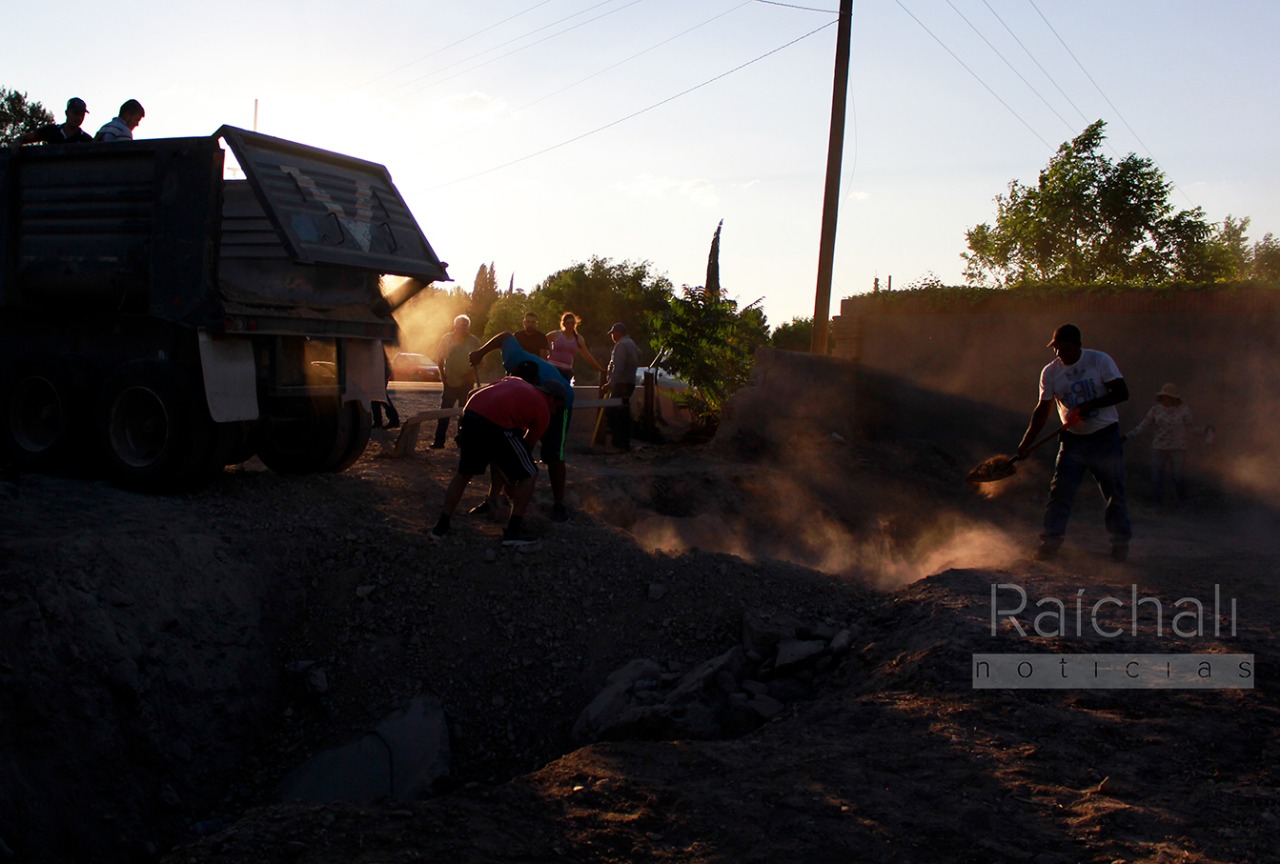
(45, 405)
(155, 427)
(361, 426)
(303, 435)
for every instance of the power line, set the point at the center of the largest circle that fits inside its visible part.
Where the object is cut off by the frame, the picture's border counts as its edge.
(1012, 68)
(454, 44)
(513, 40)
(1107, 100)
(1027, 51)
(609, 68)
(974, 74)
(793, 6)
(635, 114)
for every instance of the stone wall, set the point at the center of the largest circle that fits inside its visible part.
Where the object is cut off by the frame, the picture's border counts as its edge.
(964, 368)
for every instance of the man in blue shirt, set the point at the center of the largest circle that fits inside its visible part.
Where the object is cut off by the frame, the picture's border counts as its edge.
(553, 442)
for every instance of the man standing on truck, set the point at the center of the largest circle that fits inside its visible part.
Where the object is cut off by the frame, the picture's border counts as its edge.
(60, 133)
(122, 125)
(500, 425)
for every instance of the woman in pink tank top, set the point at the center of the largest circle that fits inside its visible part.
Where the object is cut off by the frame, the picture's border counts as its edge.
(566, 343)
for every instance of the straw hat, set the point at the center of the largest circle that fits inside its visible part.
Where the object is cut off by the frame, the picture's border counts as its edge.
(1170, 391)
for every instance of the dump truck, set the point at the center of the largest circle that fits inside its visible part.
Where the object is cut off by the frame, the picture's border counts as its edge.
(159, 320)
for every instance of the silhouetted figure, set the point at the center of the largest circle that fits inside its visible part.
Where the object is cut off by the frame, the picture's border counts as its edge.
(1085, 385)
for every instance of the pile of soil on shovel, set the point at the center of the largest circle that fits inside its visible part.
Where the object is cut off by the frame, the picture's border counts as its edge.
(150, 710)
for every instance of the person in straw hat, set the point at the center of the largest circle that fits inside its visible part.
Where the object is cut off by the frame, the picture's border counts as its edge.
(1170, 418)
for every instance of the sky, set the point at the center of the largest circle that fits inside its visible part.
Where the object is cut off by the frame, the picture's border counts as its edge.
(533, 134)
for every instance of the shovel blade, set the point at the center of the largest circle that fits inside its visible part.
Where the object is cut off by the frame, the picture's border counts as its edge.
(993, 469)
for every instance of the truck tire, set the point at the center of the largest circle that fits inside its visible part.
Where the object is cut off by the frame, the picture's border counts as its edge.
(360, 426)
(301, 435)
(46, 404)
(236, 442)
(154, 427)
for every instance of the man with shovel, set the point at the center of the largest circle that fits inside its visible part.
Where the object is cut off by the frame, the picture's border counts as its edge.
(1086, 386)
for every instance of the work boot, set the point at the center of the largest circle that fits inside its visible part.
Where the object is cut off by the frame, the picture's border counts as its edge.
(440, 530)
(1048, 549)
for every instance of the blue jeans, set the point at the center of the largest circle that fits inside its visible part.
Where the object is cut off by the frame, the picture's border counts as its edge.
(1102, 454)
(1176, 460)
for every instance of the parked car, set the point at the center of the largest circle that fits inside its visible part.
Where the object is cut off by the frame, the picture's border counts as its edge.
(662, 378)
(414, 367)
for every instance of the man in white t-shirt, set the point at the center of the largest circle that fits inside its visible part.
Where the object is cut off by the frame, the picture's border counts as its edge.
(120, 128)
(1085, 385)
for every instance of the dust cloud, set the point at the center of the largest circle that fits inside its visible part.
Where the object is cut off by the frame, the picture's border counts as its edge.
(845, 523)
(425, 318)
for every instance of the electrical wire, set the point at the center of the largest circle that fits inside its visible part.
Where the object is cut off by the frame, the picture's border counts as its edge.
(1012, 68)
(975, 75)
(1108, 100)
(1084, 117)
(453, 44)
(635, 114)
(793, 6)
(609, 68)
(511, 41)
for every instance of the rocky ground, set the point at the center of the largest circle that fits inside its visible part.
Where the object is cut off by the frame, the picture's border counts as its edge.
(165, 662)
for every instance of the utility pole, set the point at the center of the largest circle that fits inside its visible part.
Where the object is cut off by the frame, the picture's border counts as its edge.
(831, 198)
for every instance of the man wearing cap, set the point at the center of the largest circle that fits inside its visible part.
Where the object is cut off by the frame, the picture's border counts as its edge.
(553, 445)
(121, 127)
(1086, 385)
(500, 425)
(620, 383)
(61, 133)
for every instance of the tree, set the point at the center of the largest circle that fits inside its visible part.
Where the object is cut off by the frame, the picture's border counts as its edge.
(19, 116)
(710, 343)
(1092, 221)
(797, 335)
(483, 294)
(713, 263)
(1264, 259)
(601, 292)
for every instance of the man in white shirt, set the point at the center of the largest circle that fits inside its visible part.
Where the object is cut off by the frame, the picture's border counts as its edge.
(121, 127)
(1085, 385)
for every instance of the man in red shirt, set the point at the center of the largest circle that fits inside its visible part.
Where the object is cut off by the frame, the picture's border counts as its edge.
(501, 424)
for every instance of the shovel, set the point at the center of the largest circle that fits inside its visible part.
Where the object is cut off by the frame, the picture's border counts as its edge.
(1000, 467)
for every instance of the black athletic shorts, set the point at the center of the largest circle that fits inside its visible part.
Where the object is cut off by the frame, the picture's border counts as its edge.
(481, 442)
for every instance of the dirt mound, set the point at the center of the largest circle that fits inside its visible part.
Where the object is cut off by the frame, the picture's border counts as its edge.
(167, 661)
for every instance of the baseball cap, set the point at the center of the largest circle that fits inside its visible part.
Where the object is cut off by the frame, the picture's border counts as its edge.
(618, 328)
(1067, 334)
(75, 103)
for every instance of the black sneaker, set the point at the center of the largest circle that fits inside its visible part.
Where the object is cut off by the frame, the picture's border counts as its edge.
(1048, 550)
(560, 513)
(1120, 552)
(519, 540)
(441, 530)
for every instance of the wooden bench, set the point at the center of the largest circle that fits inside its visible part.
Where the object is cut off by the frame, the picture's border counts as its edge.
(407, 440)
